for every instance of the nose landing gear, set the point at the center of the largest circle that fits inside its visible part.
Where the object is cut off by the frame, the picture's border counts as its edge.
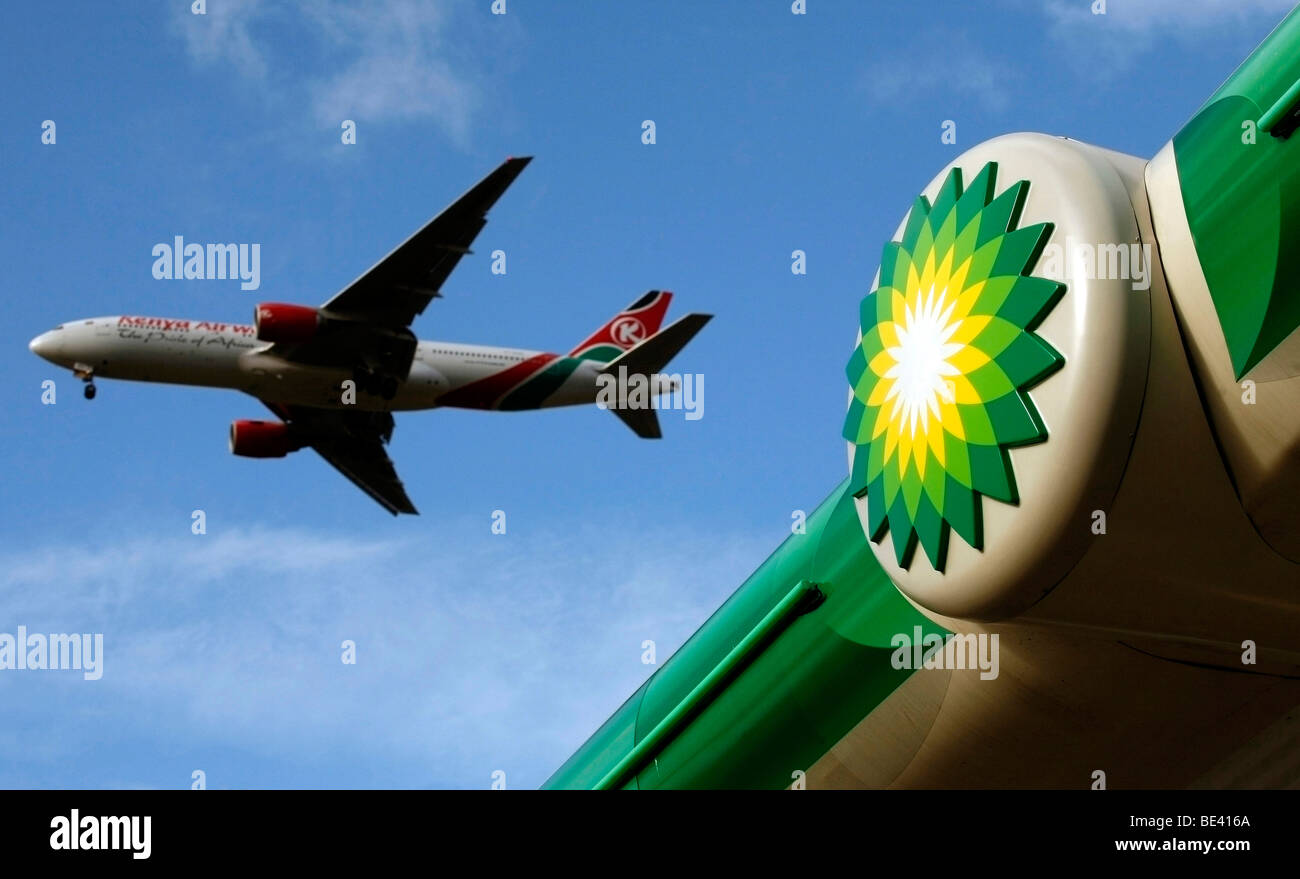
(87, 375)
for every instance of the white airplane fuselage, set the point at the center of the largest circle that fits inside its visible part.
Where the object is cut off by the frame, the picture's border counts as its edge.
(224, 355)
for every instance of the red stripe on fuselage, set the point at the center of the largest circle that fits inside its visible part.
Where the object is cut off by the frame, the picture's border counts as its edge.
(484, 393)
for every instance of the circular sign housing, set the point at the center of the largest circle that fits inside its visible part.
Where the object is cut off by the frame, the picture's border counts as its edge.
(999, 373)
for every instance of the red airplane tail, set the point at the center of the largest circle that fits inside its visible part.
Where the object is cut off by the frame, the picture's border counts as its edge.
(634, 324)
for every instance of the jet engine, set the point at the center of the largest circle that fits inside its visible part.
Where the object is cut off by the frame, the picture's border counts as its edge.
(281, 322)
(262, 439)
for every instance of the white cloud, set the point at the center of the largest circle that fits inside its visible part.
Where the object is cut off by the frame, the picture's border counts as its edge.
(395, 64)
(1113, 42)
(223, 34)
(966, 73)
(377, 61)
(504, 652)
(1156, 17)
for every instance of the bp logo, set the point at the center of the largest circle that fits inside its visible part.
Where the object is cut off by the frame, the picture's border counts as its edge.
(948, 353)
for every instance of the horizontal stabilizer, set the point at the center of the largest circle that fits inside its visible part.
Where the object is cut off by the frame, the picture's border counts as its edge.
(644, 422)
(653, 354)
(649, 358)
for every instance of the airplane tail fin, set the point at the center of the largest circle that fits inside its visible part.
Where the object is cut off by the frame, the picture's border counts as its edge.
(637, 322)
(647, 358)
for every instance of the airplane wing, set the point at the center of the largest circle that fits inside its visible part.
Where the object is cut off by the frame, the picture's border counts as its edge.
(401, 284)
(367, 322)
(353, 443)
(366, 327)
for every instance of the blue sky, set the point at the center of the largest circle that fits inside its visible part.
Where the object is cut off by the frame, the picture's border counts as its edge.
(475, 652)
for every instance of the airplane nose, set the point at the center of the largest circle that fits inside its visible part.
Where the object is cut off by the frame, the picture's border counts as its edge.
(43, 346)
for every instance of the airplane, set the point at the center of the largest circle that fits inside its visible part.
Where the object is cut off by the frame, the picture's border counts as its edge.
(334, 375)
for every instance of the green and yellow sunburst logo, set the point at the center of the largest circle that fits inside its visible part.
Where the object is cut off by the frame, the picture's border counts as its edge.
(947, 356)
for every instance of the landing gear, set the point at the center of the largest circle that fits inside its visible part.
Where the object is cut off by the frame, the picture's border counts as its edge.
(86, 374)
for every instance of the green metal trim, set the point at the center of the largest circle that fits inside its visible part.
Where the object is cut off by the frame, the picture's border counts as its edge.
(1285, 106)
(800, 693)
(1241, 192)
(795, 603)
